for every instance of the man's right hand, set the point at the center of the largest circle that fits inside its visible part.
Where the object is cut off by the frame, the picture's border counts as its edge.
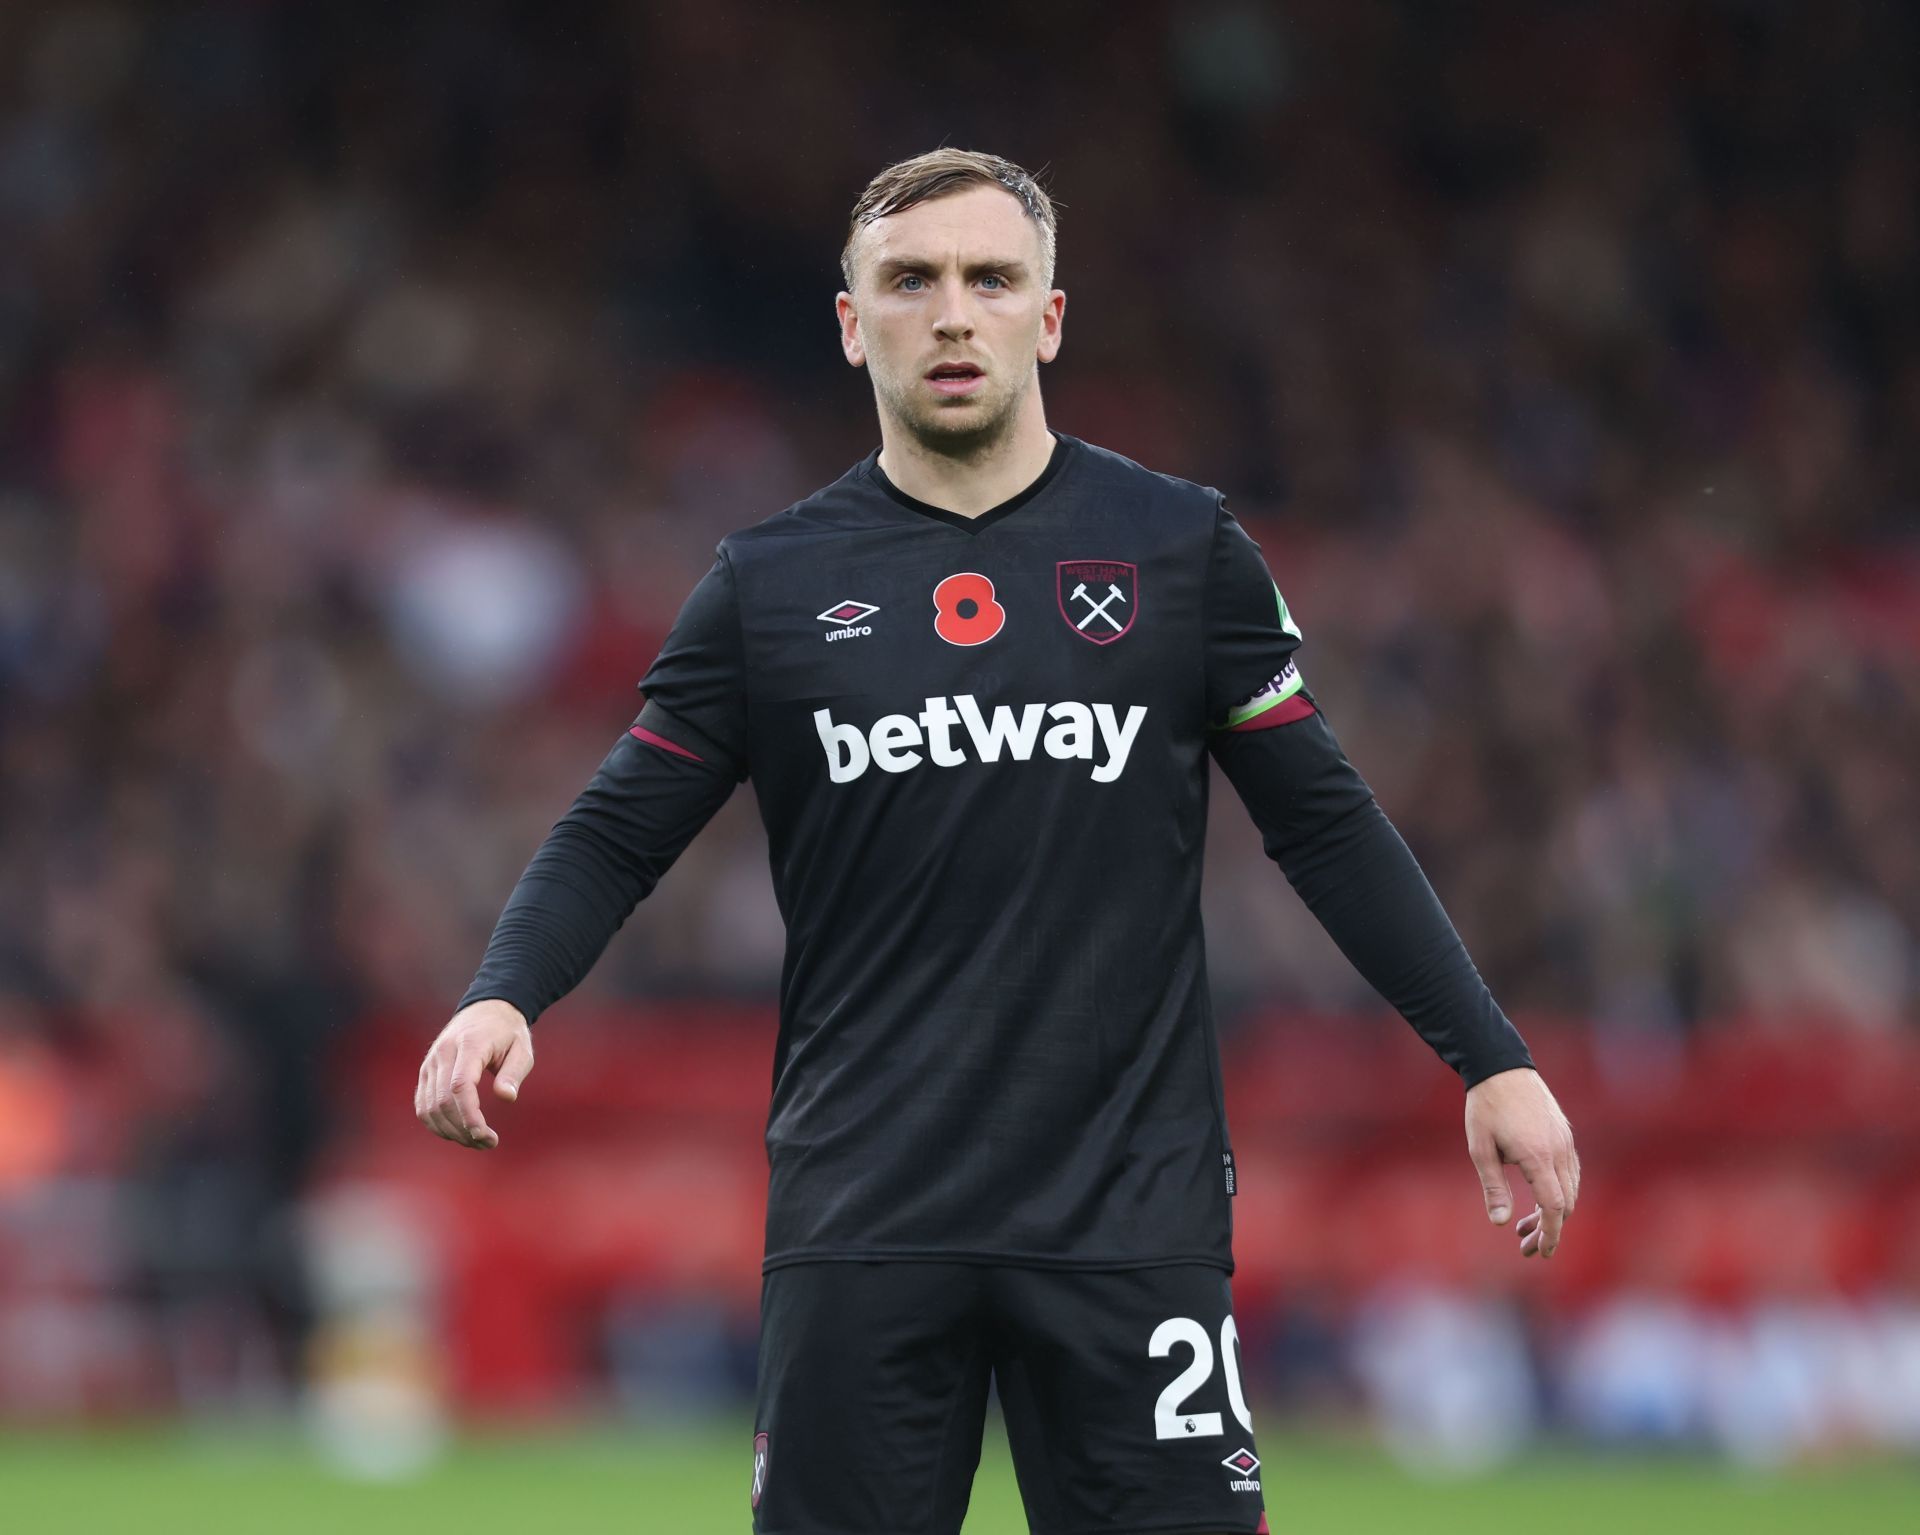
(488, 1036)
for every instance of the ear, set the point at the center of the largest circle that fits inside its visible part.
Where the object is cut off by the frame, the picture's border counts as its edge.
(850, 342)
(1052, 317)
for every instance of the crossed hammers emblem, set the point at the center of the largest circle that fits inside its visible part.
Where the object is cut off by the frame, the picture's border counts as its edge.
(1099, 609)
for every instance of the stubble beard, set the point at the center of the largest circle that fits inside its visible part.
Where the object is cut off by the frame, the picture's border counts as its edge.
(966, 430)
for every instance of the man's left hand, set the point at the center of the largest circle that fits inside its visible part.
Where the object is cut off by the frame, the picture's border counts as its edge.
(1512, 1119)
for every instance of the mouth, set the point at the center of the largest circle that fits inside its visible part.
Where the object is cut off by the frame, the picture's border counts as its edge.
(955, 378)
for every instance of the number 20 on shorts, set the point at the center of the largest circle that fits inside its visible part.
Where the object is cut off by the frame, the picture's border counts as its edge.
(1169, 1422)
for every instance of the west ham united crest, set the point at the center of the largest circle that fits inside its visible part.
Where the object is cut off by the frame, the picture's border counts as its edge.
(1098, 598)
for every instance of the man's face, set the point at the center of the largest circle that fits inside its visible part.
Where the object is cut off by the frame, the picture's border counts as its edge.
(949, 315)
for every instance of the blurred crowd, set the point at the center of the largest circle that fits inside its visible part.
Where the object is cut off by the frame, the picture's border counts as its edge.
(371, 396)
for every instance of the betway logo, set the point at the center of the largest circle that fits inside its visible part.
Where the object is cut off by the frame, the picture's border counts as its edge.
(894, 742)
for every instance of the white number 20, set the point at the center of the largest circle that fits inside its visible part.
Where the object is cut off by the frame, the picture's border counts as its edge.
(1169, 1422)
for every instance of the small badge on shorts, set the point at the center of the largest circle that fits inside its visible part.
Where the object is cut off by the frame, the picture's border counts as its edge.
(759, 1467)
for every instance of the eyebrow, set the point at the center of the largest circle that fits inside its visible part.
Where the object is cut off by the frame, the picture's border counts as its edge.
(894, 266)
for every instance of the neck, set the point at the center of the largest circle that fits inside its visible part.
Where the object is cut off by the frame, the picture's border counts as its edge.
(978, 477)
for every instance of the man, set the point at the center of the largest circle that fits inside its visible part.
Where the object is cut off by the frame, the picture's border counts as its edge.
(976, 681)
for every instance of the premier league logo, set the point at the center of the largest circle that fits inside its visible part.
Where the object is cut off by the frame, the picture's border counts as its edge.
(759, 1467)
(1098, 598)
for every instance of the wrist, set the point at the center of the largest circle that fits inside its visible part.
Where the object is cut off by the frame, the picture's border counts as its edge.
(1479, 1072)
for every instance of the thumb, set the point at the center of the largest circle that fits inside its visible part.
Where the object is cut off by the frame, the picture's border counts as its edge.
(1493, 1180)
(512, 1071)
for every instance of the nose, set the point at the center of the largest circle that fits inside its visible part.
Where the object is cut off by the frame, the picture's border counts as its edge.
(953, 316)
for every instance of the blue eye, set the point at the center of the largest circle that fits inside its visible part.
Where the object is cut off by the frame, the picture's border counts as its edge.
(910, 277)
(994, 277)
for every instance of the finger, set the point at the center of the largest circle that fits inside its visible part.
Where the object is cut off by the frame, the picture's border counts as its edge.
(1527, 1224)
(1493, 1179)
(513, 1070)
(1551, 1199)
(1530, 1244)
(1573, 1188)
(423, 1095)
(473, 1125)
(440, 1096)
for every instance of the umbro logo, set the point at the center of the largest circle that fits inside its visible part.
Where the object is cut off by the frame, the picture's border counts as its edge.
(1245, 1462)
(847, 616)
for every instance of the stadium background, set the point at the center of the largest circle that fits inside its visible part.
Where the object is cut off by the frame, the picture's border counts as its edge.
(374, 382)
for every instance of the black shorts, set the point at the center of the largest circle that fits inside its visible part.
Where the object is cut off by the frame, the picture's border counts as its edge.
(1121, 1393)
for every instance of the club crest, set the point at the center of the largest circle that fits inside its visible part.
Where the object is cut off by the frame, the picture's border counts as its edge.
(1099, 599)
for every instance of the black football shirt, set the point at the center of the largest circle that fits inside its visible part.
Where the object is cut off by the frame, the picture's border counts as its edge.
(980, 748)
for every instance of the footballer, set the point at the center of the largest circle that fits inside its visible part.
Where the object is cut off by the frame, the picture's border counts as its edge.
(976, 682)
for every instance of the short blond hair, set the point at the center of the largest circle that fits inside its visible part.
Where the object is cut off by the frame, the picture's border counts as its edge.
(941, 173)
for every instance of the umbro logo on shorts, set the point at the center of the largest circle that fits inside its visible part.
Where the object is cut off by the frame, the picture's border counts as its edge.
(1246, 1463)
(759, 1467)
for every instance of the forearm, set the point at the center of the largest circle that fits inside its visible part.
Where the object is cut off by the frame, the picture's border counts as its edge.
(600, 860)
(1359, 878)
(562, 913)
(1320, 823)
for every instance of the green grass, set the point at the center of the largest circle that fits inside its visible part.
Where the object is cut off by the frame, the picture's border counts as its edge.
(603, 1480)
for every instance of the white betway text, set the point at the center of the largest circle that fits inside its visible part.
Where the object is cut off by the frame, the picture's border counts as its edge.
(897, 742)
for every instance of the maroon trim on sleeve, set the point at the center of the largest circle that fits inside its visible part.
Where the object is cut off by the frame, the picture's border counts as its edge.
(1283, 713)
(642, 733)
